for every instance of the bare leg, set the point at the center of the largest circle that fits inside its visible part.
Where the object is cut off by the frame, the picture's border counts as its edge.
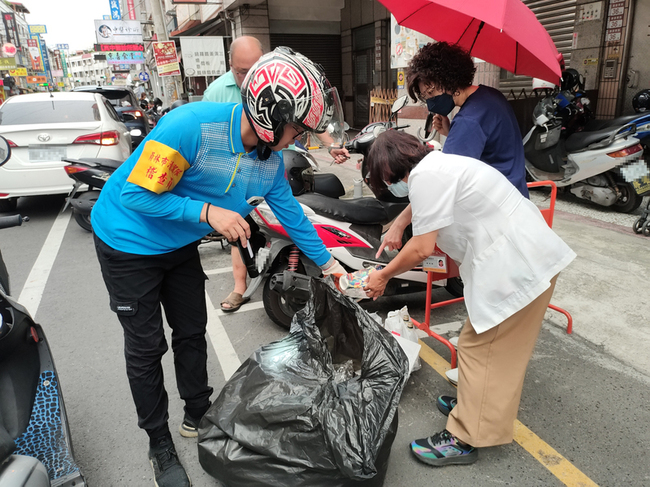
(239, 272)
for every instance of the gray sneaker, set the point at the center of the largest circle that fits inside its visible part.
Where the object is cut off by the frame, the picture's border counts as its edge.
(167, 469)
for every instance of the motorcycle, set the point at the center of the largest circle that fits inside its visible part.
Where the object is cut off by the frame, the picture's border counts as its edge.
(604, 166)
(351, 229)
(35, 442)
(91, 174)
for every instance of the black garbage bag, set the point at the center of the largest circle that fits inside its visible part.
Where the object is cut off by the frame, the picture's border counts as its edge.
(289, 416)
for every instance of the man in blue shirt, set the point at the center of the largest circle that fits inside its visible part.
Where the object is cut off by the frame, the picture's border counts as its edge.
(196, 171)
(244, 52)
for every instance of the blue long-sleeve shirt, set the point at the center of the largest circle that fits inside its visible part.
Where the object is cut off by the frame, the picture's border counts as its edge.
(152, 204)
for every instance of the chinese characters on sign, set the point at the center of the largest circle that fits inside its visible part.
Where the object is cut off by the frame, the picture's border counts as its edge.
(118, 47)
(116, 14)
(615, 22)
(34, 54)
(125, 57)
(9, 19)
(203, 56)
(118, 31)
(166, 58)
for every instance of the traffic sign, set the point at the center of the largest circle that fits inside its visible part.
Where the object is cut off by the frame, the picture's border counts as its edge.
(143, 76)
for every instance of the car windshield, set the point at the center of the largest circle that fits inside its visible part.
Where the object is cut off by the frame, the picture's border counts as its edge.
(51, 111)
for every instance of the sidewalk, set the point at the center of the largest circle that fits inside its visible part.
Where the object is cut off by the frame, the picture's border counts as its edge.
(605, 289)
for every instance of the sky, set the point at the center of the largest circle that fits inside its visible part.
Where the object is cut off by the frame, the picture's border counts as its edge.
(68, 21)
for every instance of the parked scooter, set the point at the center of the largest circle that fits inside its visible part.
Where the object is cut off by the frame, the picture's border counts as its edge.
(351, 230)
(90, 173)
(35, 443)
(597, 165)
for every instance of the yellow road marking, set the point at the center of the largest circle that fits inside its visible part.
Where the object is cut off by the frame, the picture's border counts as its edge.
(559, 466)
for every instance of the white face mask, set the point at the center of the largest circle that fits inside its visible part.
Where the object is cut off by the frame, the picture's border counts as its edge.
(400, 189)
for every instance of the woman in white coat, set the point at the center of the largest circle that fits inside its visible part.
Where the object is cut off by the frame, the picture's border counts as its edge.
(509, 261)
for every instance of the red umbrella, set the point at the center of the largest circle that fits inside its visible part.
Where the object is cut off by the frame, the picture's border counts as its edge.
(501, 32)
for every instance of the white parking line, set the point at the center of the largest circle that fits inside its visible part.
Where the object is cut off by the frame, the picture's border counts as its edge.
(219, 340)
(32, 292)
(221, 344)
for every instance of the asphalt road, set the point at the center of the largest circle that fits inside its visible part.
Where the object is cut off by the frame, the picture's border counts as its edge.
(582, 399)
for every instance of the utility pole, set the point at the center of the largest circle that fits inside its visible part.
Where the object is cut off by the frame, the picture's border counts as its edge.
(171, 82)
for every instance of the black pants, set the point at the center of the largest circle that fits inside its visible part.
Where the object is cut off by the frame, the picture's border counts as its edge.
(138, 285)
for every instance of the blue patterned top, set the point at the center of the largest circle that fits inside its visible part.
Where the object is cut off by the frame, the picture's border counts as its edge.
(130, 218)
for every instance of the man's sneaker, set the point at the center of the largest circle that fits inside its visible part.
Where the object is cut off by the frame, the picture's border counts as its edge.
(443, 449)
(446, 404)
(167, 469)
(189, 428)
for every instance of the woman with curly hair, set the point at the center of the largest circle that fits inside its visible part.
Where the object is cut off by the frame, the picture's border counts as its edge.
(485, 127)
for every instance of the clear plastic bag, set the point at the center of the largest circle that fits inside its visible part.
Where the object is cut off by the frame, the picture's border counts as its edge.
(399, 324)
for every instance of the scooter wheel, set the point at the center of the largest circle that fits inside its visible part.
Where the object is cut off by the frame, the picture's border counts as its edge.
(646, 228)
(83, 220)
(638, 225)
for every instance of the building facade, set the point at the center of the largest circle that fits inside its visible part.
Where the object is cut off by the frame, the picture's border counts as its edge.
(604, 40)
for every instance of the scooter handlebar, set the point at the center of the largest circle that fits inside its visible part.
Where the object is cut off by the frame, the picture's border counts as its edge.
(12, 221)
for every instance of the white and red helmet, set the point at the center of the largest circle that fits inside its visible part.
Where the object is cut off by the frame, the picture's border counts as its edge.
(284, 87)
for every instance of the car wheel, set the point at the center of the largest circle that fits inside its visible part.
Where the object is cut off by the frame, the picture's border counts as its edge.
(8, 205)
(83, 220)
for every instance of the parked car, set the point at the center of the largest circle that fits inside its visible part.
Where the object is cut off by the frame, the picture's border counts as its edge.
(127, 106)
(43, 128)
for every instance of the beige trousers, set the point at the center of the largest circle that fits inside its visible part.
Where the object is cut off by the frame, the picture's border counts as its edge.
(491, 370)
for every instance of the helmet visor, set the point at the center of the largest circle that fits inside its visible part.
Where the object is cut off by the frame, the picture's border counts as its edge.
(331, 128)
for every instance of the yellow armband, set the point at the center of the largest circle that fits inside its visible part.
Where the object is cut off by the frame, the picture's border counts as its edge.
(159, 168)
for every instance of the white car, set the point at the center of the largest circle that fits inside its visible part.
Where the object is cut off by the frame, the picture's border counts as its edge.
(43, 128)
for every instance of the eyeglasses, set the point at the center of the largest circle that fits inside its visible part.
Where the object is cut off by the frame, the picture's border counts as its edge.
(298, 132)
(428, 93)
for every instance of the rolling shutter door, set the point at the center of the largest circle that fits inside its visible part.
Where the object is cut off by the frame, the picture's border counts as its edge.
(558, 18)
(322, 49)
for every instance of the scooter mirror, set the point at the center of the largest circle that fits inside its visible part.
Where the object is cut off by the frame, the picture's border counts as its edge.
(5, 150)
(400, 103)
(378, 130)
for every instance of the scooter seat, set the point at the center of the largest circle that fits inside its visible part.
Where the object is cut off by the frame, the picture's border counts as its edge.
(361, 211)
(581, 140)
(614, 122)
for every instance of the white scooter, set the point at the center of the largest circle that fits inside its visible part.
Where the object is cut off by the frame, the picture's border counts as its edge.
(600, 166)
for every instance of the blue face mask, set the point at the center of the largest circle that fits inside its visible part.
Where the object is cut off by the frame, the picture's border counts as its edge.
(441, 104)
(400, 189)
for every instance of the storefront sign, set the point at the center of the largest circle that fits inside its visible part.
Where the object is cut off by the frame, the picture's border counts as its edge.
(37, 29)
(34, 54)
(404, 43)
(166, 58)
(18, 72)
(203, 56)
(131, 7)
(7, 63)
(118, 31)
(9, 19)
(36, 79)
(118, 47)
(116, 14)
(125, 57)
